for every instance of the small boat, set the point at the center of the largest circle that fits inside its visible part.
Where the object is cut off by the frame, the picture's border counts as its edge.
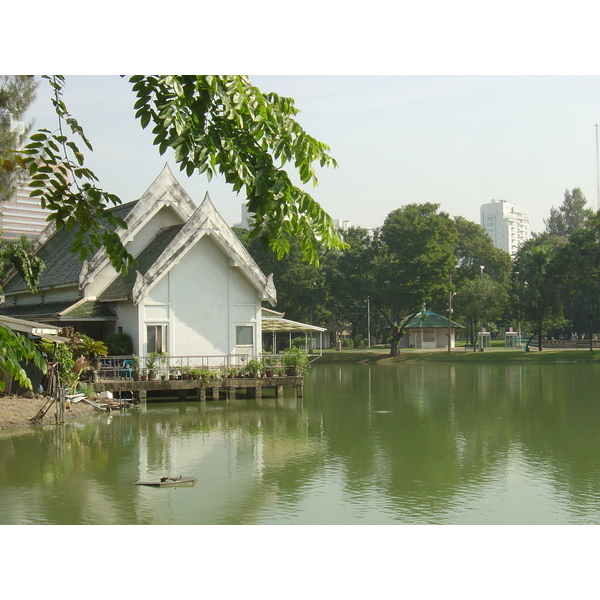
(168, 482)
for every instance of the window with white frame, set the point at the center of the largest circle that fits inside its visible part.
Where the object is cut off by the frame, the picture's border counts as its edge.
(156, 338)
(244, 335)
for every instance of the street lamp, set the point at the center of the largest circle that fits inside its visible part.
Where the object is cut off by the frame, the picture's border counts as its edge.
(451, 295)
(481, 267)
(518, 307)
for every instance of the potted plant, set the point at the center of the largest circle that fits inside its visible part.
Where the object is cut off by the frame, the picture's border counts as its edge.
(270, 362)
(92, 349)
(135, 367)
(254, 367)
(295, 361)
(163, 359)
(185, 372)
(152, 365)
(195, 373)
(231, 372)
(205, 374)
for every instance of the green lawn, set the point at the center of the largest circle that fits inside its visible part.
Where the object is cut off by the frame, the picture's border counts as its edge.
(460, 356)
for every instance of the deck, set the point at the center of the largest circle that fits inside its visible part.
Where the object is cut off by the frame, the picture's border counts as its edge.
(215, 388)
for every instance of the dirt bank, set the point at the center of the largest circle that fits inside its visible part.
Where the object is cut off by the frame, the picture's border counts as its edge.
(17, 411)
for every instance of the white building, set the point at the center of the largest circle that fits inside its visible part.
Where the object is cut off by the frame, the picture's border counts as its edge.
(507, 225)
(195, 289)
(342, 224)
(22, 215)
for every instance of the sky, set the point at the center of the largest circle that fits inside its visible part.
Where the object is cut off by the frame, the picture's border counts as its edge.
(458, 141)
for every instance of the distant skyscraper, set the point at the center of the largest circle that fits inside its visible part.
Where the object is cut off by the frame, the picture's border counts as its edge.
(247, 219)
(22, 215)
(507, 225)
(342, 224)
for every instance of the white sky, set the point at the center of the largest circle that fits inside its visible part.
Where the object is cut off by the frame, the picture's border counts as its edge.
(458, 141)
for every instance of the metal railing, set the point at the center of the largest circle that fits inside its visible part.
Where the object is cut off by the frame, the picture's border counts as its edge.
(124, 367)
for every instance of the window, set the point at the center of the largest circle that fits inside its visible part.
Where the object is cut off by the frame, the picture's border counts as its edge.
(244, 335)
(156, 336)
(428, 335)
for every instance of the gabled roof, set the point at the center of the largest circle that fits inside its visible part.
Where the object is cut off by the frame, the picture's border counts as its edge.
(427, 319)
(62, 266)
(164, 191)
(168, 246)
(205, 221)
(122, 287)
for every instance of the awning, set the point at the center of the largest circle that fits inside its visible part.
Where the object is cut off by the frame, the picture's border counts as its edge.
(279, 324)
(55, 338)
(32, 328)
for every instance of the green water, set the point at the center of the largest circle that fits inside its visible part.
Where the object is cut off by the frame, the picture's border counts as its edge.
(368, 444)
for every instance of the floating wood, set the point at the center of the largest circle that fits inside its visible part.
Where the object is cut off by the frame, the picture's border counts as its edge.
(168, 482)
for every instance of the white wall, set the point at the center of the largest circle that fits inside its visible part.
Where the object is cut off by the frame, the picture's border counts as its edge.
(202, 298)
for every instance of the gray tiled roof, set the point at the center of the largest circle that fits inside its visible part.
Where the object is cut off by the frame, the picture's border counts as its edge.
(122, 287)
(62, 266)
(90, 309)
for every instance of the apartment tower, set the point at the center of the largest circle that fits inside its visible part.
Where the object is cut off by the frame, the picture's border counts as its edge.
(507, 225)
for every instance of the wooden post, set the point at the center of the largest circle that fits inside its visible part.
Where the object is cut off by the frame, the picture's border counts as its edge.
(254, 392)
(60, 405)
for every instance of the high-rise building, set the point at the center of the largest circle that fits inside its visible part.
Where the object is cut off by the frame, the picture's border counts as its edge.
(22, 215)
(507, 225)
(342, 224)
(19, 213)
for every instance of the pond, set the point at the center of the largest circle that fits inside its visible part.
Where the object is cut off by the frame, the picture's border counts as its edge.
(368, 444)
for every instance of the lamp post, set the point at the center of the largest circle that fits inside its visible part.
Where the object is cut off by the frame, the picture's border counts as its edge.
(451, 295)
(368, 323)
(481, 267)
(518, 307)
(591, 318)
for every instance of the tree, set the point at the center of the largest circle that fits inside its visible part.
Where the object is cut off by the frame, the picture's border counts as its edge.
(17, 92)
(569, 216)
(413, 269)
(214, 124)
(539, 280)
(578, 263)
(301, 290)
(480, 300)
(474, 248)
(350, 278)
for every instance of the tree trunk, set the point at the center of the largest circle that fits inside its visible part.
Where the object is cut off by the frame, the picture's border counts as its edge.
(540, 348)
(395, 343)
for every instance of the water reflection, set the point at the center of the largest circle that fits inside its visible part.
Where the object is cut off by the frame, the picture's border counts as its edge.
(367, 444)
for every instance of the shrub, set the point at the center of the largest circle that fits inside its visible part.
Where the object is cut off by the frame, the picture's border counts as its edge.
(119, 344)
